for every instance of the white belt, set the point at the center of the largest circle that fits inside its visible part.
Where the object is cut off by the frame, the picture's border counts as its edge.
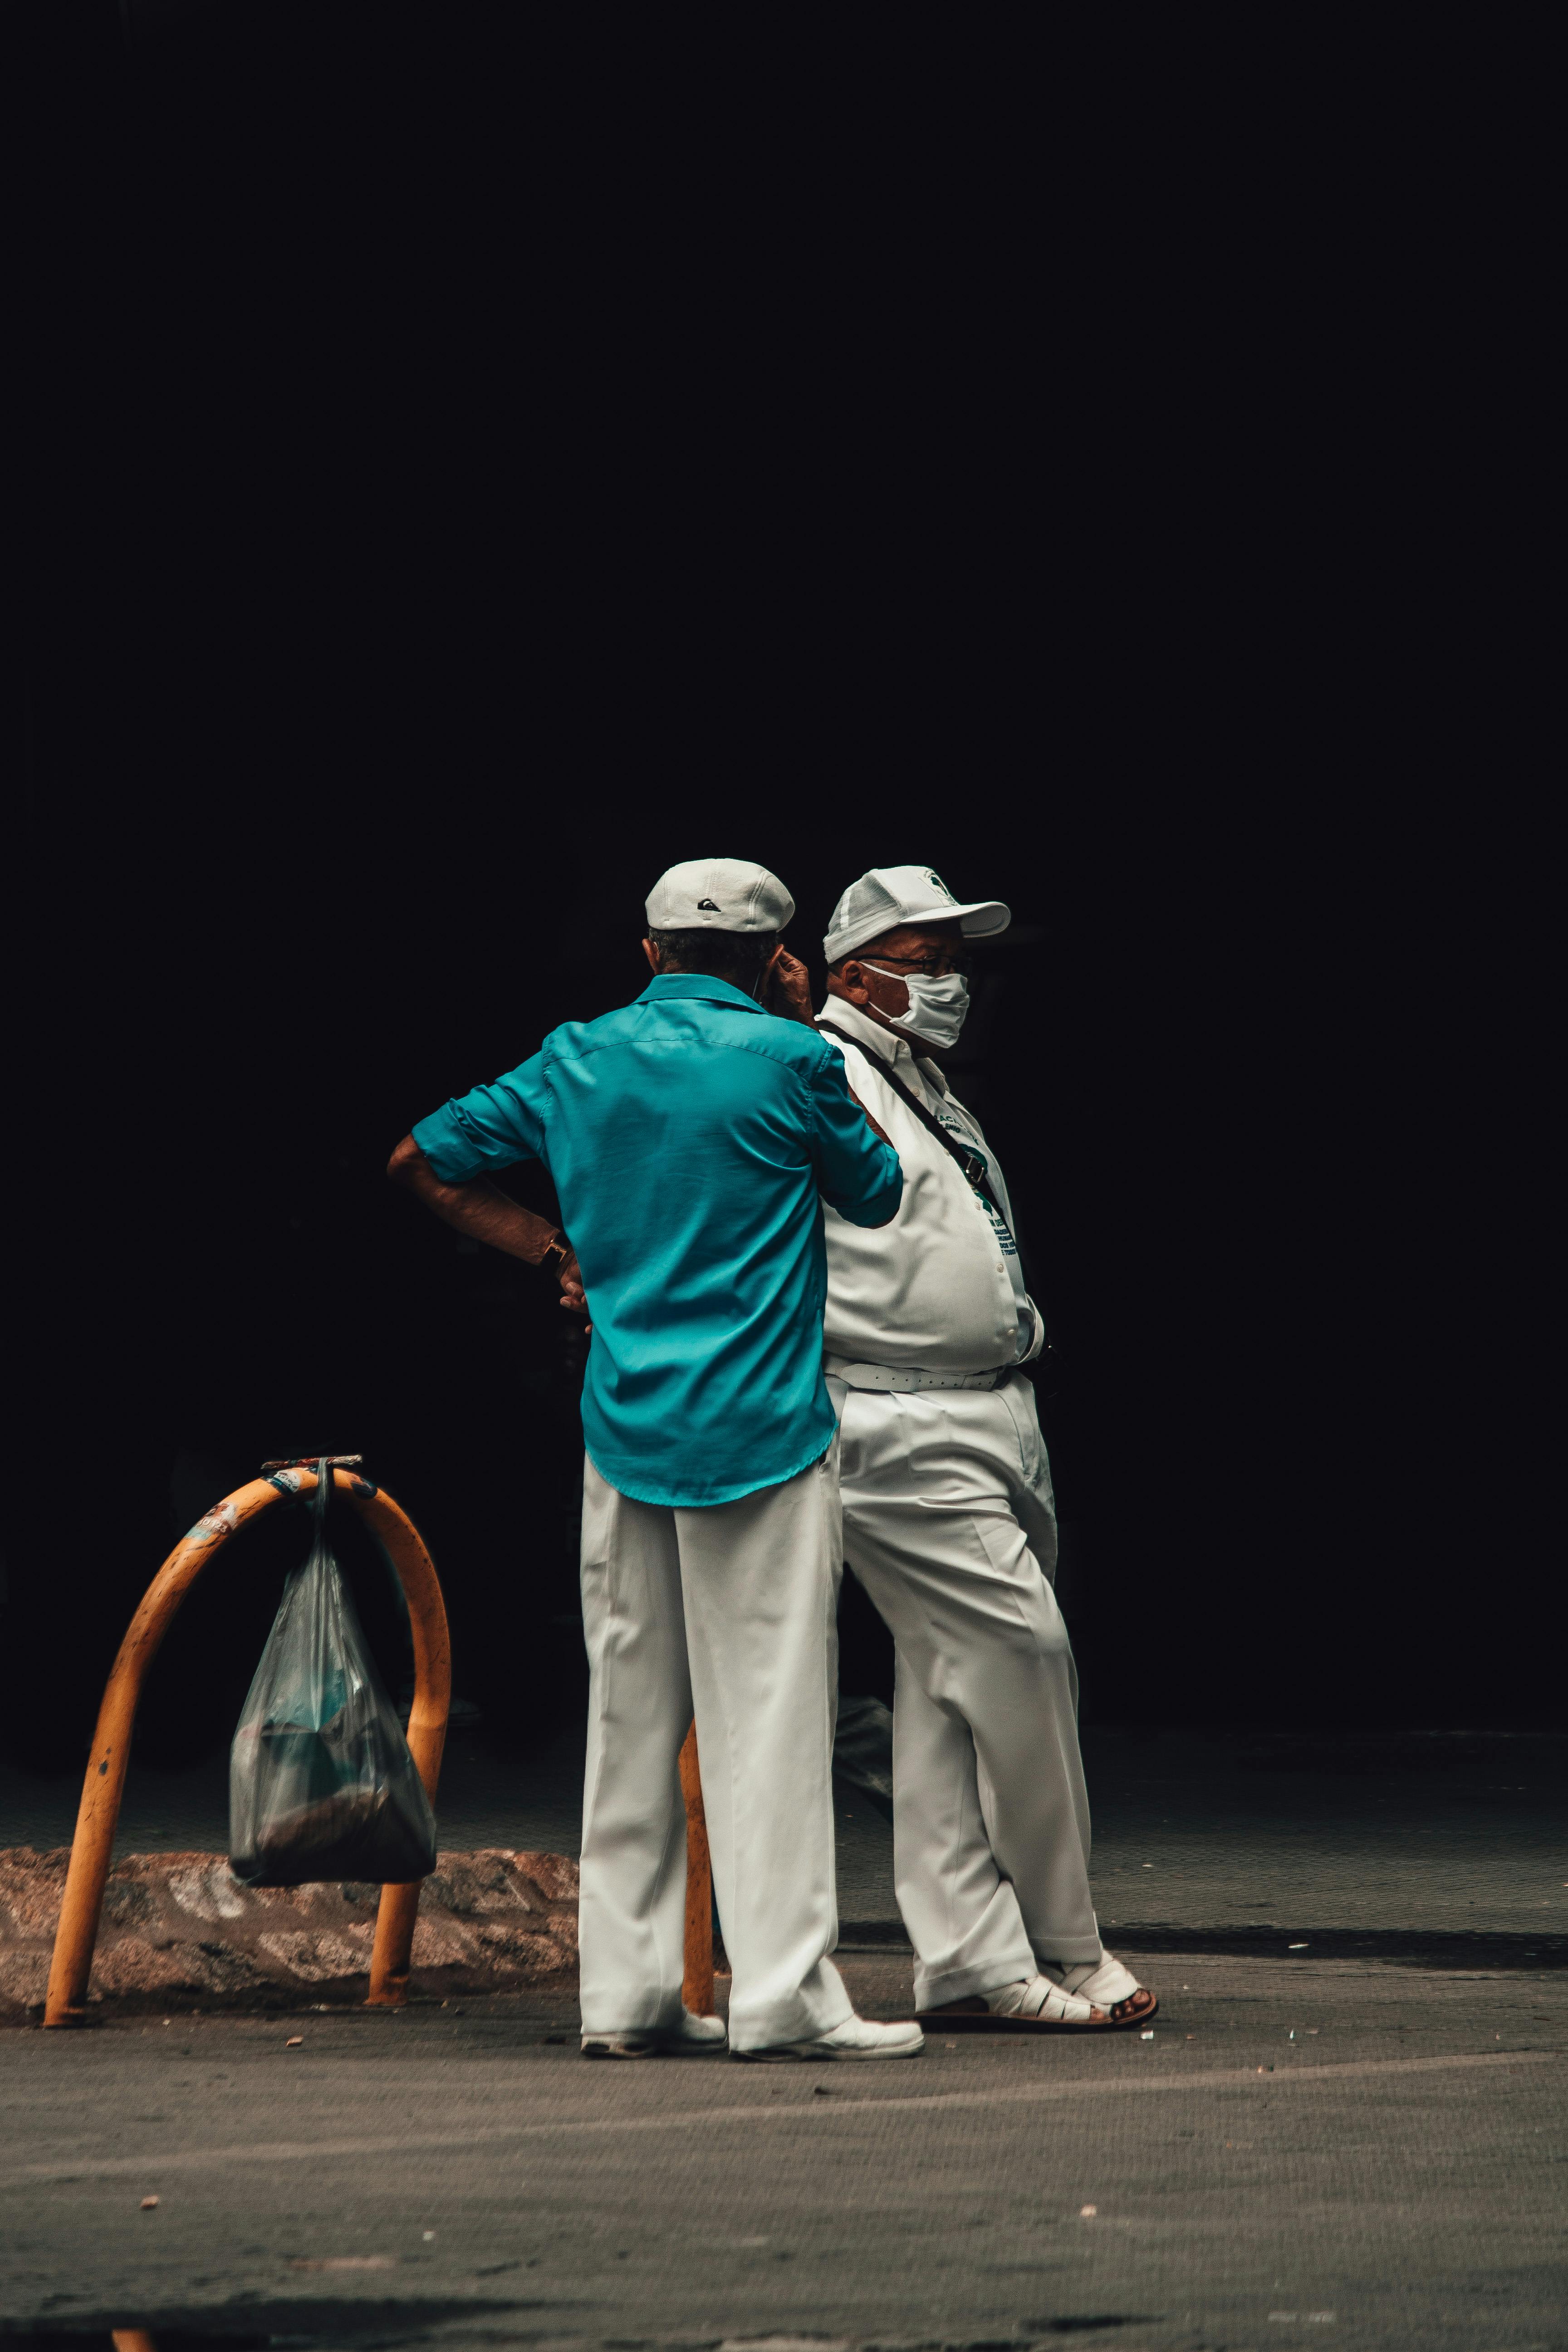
(892, 1376)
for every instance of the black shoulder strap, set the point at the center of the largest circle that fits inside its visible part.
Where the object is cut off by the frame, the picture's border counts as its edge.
(973, 1165)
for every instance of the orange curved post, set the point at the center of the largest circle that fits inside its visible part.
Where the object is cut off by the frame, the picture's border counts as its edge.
(426, 1725)
(697, 1984)
(93, 1845)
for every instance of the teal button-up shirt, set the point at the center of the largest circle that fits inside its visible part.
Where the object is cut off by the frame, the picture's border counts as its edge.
(691, 1139)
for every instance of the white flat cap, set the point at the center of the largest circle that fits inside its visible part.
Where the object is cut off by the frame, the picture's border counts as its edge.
(719, 894)
(890, 895)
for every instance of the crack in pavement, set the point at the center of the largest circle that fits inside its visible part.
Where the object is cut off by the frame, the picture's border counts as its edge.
(1022, 2095)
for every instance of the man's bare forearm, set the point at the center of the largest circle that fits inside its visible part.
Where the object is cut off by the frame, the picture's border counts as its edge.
(478, 1208)
(874, 1125)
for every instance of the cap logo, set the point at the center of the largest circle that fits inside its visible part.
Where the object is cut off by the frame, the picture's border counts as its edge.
(707, 906)
(937, 883)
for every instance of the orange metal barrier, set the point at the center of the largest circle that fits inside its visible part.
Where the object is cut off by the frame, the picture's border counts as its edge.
(697, 1984)
(93, 1845)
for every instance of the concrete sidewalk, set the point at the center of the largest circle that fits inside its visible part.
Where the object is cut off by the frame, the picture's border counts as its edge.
(1398, 1844)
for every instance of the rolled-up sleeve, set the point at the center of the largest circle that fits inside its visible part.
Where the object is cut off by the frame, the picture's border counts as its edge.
(493, 1127)
(857, 1172)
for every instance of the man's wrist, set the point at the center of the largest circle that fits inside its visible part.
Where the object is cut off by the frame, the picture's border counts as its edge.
(555, 1253)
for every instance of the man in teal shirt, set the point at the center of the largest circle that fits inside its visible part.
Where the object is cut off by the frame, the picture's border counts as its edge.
(691, 1139)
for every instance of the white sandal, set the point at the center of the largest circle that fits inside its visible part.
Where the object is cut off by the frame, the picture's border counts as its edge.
(1109, 1985)
(1035, 2005)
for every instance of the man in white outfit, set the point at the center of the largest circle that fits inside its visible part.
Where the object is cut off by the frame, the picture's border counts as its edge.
(948, 1515)
(692, 1138)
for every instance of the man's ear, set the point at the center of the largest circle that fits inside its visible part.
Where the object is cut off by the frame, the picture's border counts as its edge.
(651, 952)
(849, 981)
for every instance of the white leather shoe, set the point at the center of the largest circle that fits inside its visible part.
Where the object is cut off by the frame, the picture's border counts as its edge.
(698, 2037)
(694, 2037)
(858, 2037)
(621, 2045)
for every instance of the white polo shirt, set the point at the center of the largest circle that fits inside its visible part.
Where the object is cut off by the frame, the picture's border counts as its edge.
(940, 1289)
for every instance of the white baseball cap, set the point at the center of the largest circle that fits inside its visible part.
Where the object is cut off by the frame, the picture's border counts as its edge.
(719, 894)
(890, 895)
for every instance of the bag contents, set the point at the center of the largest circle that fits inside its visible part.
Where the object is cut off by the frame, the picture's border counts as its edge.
(321, 1782)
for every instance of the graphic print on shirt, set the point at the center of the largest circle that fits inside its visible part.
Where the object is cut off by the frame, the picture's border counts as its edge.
(1004, 1242)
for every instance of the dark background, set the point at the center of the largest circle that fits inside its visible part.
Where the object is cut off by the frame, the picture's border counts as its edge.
(472, 461)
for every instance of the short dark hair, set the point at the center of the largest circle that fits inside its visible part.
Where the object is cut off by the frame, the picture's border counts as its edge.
(735, 956)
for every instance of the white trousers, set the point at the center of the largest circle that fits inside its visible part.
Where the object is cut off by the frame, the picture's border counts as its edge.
(728, 1614)
(950, 1525)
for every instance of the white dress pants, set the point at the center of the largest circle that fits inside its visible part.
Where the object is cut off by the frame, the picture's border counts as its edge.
(950, 1525)
(728, 1614)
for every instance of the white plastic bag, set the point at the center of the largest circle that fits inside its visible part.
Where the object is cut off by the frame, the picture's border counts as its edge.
(321, 1782)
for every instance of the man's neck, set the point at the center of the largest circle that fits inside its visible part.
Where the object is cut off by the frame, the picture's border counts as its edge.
(864, 1026)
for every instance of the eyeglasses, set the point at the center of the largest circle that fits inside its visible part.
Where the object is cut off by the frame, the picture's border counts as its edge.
(931, 967)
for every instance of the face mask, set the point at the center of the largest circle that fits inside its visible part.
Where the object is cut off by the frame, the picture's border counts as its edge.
(937, 1007)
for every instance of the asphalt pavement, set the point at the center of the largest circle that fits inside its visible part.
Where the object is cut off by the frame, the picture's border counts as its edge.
(1304, 2154)
(1349, 2127)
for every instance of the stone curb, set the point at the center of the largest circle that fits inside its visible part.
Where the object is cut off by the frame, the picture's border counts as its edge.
(1441, 1948)
(179, 1928)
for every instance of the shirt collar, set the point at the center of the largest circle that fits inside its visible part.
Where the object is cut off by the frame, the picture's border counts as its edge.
(883, 1043)
(664, 984)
